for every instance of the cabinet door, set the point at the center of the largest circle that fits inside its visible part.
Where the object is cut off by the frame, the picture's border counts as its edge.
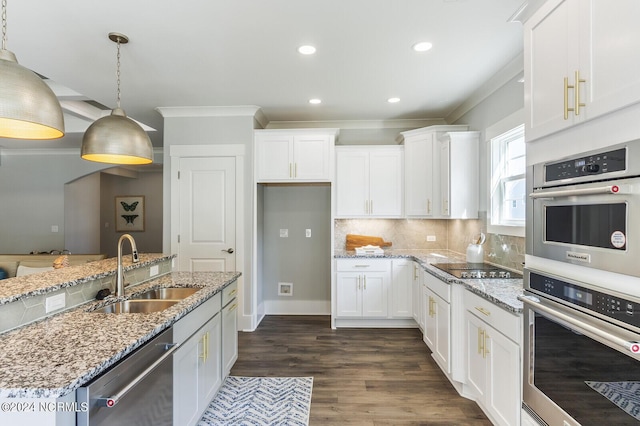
(503, 394)
(551, 39)
(274, 160)
(385, 190)
(429, 335)
(442, 316)
(349, 297)
(476, 356)
(419, 158)
(210, 363)
(445, 177)
(416, 295)
(311, 158)
(375, 287)
(609, 55)
(352, 183)
(401, 288)
(229, 336)
(185, 380)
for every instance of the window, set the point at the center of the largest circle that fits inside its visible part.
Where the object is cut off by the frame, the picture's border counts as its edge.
(508, 187)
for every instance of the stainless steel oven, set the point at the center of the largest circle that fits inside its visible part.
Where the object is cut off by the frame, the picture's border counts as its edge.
(581, 352)
(585, 210)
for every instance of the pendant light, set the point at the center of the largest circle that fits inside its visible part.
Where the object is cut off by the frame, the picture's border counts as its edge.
(28, 107)
(116, 138)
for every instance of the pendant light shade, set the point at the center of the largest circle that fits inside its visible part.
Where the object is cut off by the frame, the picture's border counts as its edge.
(116, 138)
(28, 107)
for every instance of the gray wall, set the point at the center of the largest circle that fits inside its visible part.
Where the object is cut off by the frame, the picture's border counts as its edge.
(82, 214)
(305, 262)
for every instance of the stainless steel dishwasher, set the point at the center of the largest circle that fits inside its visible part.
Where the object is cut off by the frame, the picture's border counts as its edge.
(138, 390)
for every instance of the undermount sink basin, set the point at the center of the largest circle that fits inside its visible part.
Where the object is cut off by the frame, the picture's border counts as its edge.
(136, 307)
(166, 293)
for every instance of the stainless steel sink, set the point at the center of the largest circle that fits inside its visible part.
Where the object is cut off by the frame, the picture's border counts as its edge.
(136, 306)
(166, 293)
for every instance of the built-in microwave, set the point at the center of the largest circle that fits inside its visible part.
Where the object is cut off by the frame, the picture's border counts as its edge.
(585, 209)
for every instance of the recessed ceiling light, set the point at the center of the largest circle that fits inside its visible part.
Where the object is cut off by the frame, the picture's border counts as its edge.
(315, 101)
(307, 50)
(422, 46)
(393, 100)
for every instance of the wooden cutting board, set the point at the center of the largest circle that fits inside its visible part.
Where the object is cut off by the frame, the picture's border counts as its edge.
(354, 241)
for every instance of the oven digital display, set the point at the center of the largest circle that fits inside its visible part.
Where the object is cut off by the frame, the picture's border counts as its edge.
(581, 163)
(578, 295)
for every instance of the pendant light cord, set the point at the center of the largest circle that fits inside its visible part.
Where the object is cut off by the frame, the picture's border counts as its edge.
(117, 72)
(4, 24)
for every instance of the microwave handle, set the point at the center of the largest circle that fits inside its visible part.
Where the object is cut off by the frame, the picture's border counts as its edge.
(612, 339)
(610, 189)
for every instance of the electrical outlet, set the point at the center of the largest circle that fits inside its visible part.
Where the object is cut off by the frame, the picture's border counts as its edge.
(431, 238)
(307, 233)
(54, 303)
(154, 270)
(54, 228)
(284, 233)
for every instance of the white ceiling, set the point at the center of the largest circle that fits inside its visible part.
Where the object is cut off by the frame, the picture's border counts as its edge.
(244, 52)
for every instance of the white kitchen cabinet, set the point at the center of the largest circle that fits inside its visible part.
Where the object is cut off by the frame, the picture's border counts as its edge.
(459, 175)
(300, 155)
(401, 288)
(578, 64)
(229, 327)
(362, 288)
(369, 181)
(437, 320)
(197, 364)
(416, 295)
(493, 360)
(422, 169)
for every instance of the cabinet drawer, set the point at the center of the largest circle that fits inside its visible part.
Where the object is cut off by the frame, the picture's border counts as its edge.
(229, 293)
(195, 319)
(505, 322)
(363, 265)
(438, 286)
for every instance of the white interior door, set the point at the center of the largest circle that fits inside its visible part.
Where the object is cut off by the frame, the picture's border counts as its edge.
(207, 190)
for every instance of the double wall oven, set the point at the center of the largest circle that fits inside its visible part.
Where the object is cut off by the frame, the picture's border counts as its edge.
(582, 289)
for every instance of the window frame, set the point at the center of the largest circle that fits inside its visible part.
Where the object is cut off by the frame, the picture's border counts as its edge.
(500, 128)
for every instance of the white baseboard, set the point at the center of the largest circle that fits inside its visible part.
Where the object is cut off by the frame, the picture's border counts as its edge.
(297, 307)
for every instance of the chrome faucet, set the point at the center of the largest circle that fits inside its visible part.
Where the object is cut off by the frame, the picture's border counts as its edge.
(120, 271)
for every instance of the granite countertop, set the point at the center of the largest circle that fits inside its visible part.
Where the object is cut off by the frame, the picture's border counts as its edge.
(503, 292)
(53, 357)
(46, 282)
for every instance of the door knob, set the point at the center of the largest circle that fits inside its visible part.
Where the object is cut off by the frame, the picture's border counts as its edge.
(229, 250)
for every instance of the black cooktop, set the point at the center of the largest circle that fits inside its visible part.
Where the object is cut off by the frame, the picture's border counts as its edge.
(475, 270)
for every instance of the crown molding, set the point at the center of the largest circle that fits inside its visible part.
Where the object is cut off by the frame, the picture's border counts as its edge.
(357, 124)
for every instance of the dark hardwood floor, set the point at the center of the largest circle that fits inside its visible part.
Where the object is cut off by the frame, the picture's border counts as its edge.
(360, 376)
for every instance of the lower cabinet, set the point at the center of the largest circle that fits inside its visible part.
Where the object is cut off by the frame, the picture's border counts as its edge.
(401, 288)
(229, 328)
(416, 295)
(437, 329)
(493, 360)
(197, 364)
(362, 288)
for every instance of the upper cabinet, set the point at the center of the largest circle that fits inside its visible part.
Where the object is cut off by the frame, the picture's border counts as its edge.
(459, 175)
(422, 169)
(369, 181)
(301, 155)
(580, 62)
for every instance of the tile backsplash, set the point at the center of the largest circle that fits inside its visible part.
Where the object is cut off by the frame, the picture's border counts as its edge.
(454, 235)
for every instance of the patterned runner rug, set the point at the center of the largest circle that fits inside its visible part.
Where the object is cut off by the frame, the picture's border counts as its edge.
(261, 401)
(625, 395)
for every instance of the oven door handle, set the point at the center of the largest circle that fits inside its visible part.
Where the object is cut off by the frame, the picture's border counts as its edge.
(629, 347)
(111, 401)
(559, 193)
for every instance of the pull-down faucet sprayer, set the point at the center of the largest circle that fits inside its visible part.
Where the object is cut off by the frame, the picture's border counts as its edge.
(120, 270)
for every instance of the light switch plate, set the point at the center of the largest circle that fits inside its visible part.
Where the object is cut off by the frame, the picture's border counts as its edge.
(284, 233)
(154, 270)
(431, 237)
(307, 233)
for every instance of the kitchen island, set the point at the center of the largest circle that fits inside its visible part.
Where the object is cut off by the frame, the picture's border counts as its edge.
(47, 360)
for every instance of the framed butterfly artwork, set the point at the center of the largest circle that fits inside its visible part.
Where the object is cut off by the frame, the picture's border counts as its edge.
(129, 213)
